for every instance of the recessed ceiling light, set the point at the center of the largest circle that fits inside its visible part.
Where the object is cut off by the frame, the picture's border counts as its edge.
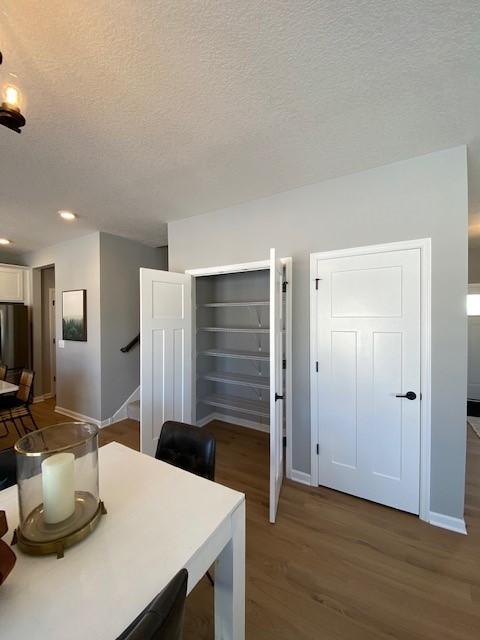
(67, 215)
(5, 241)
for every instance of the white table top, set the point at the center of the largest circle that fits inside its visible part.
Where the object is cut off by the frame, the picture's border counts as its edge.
(159, 518)
(7, 387)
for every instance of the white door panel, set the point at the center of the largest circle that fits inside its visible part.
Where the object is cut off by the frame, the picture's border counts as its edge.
(368, 351)
(165, 352)
(355, 292)
(276, 383)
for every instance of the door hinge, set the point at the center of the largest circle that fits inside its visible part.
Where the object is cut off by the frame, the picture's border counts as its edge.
(54, 378)
(317, 280)
(53, 340)
(278, 397)
(318, 449)
(284, 287)
(316, 367)
(284, 364)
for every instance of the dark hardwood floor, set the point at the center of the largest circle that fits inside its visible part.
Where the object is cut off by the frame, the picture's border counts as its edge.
(335, 567)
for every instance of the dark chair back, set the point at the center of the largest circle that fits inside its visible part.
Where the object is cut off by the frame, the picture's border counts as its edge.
(25, 386)
(3, 371)
(8, 468)
(187, 447)
(163, 618)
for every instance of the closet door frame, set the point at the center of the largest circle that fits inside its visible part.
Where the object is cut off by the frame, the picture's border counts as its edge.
(424, 245)
(258, 265)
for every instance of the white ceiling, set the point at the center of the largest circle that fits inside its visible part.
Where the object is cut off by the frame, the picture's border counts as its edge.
(142, 111)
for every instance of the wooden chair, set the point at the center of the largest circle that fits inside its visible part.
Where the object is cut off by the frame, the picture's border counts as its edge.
(3, 371)
(17, 407)
(8, 468)
(163, 618)
(7, 557)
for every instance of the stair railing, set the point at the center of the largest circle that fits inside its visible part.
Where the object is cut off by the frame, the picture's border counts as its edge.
(128, 347)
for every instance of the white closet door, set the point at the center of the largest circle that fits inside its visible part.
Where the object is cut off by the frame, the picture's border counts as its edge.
(368, 381)
(276, 383)
(165, 352)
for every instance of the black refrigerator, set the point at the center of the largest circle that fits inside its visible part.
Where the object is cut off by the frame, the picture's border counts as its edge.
(14, 335)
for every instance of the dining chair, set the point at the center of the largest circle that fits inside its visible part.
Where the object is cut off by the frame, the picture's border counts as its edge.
(3, 376)
(17, 407)
(8, 468)
(163, 618)
(189, 448)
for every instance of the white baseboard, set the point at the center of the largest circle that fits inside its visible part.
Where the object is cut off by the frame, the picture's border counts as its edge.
(206, 420)
(119, 415)
(81, 416)
(241, 422)
(122, 413)
(301, 476)
(447, 522)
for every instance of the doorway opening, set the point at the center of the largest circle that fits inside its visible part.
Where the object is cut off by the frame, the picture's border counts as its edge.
(473, 388)
(44, 333)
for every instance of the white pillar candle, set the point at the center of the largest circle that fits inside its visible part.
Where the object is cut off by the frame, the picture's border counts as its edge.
(58, 486)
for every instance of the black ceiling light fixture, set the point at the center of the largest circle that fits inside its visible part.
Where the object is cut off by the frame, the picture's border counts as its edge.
(10, 114)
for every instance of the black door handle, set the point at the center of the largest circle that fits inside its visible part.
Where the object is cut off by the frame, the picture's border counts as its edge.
(410, 395)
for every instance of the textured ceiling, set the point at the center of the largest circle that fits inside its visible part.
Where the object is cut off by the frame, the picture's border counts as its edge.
(141, 112)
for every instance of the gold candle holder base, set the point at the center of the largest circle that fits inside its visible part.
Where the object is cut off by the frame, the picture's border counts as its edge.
(58, 546)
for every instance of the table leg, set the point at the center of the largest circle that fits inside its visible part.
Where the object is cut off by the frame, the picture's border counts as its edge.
(230, 583)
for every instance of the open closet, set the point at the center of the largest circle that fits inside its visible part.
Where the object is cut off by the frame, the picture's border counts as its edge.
(233, 349)
(216, 345)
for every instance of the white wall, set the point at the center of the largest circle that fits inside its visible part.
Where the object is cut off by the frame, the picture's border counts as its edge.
(77, 266)
(422, 197)
(94, 378)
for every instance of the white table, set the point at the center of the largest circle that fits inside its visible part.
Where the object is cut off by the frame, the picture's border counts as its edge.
(7, 387)
(159, 520)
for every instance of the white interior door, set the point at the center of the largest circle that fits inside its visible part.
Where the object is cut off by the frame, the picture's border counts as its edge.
(368, 357)
(276, 383)
(165, 352)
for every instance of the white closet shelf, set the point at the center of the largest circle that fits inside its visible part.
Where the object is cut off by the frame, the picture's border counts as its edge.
(234, 329)
(239, 379)
(261, 303)
(252, 407)
(232, 353)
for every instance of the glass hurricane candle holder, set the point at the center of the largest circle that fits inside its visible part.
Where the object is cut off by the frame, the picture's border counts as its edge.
(58, 497)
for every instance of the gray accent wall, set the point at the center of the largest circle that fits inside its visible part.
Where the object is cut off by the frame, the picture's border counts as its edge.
(120, 262)
(6, 257)
(418, 198)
